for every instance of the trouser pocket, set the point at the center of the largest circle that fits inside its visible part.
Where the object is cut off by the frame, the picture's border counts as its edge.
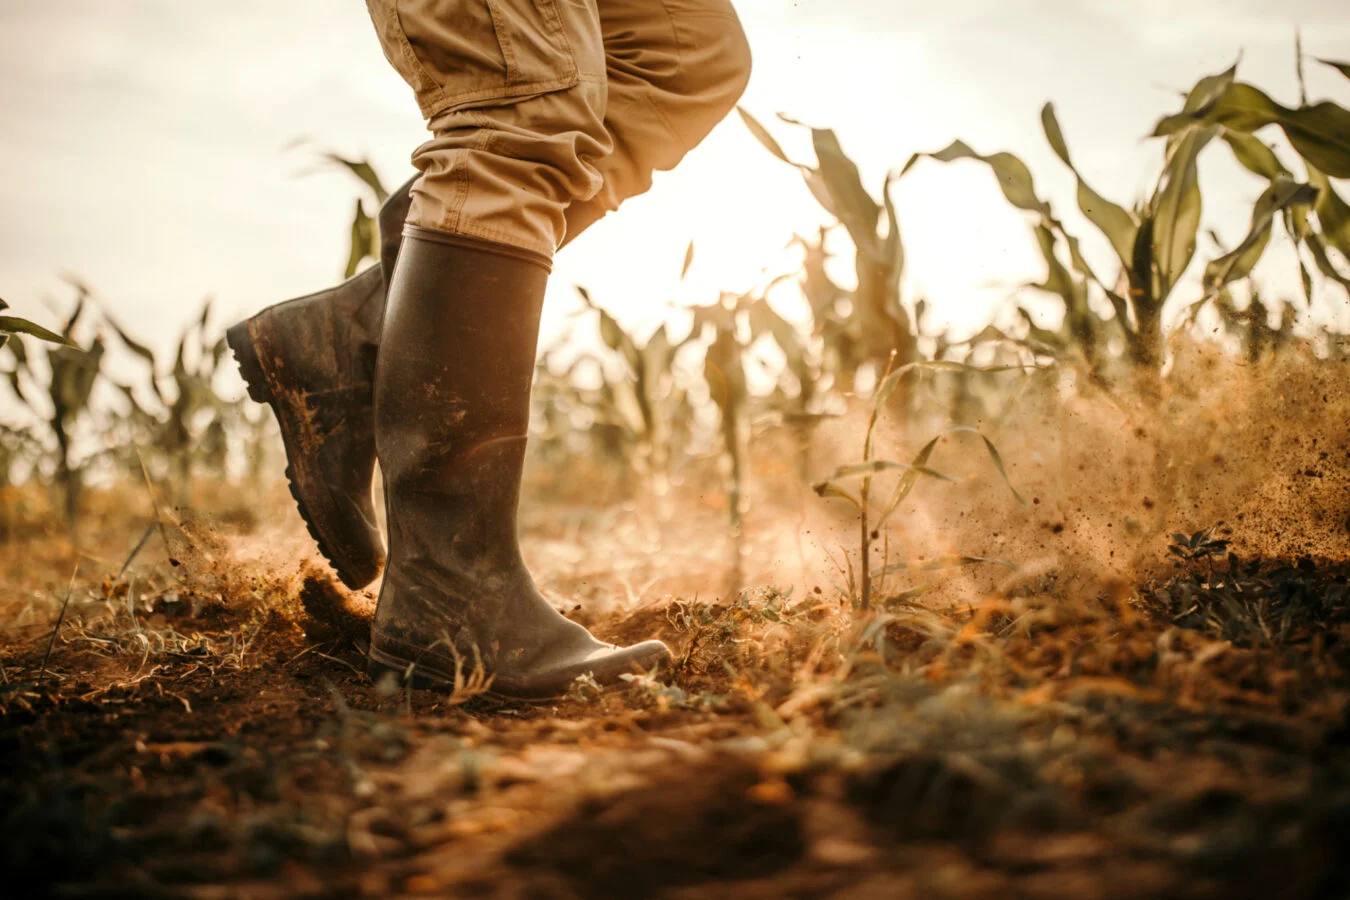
(457, 54)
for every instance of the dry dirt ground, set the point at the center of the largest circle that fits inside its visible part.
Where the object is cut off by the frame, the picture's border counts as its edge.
(203, 728)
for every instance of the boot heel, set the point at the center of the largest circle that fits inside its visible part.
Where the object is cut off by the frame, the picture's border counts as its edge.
(246, 356)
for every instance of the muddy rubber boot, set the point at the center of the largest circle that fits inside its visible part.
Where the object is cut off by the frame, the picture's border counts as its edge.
(312, 360)
(452, 407)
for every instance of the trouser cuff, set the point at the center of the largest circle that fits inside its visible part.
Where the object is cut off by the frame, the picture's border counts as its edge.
(476, 243)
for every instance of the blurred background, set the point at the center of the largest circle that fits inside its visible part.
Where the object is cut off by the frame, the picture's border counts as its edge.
(154, 148)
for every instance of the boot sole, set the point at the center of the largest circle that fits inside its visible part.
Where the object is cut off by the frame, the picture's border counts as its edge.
(424, 675)
(380, 664)
(242, 340)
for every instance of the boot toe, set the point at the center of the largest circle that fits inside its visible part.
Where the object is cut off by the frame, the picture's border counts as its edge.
(606, 664)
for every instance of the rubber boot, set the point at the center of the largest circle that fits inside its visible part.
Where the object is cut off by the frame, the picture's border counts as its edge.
(452, 407)
(312, 360)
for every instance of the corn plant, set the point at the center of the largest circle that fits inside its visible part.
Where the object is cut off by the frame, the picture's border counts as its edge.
(724, 372)
(646, 399)
(910, 474)
(70, 377)
(1155, 241)
(1318, 133)
(878, 324)
(365, 231)
(195, 424)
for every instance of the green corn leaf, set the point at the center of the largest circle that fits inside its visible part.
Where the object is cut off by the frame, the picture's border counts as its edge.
(1058, 280)
(1014, 178)
(1342, 67)
(80, 305)
(1333, 214)
(1254, 154)
(1320, 133)
(131, 343)
(1176, 208)
(1305, 277)
(363, 242)
(1239, 262)
(364, 171)
(1112, 220)
(1317, 247)
(14, 325)
(1200, 101)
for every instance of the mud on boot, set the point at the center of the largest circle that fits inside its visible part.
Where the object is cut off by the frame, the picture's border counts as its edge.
(452, 406)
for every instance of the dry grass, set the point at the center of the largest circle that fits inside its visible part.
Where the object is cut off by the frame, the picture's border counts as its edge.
(1148, 723)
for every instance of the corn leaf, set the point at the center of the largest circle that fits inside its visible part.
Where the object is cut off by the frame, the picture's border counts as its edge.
(1014, 178)
(1200, 101)
(1176, 207)
(1239, 262)
(1112, 220)
(1342, 67)
(1333, 214)
(829, 489)
(1317, 246)
(893, 252)
(1254, 154)
(859, 470)
(815, 183)
(762, 135)
(14, 325)
(853, 205)
(363, 243)
(1058, 279)
(364, 171)
(1320, 133)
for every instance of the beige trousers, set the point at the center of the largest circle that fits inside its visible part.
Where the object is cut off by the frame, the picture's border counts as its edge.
(547, 114)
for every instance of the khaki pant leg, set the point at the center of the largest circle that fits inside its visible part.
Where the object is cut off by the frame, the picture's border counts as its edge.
(675, 69)
(515, 92)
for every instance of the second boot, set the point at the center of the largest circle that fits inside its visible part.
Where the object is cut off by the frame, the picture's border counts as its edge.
(312, 360)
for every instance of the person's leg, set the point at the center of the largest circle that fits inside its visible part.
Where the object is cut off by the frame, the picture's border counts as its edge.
(513, 147)
(674, 68)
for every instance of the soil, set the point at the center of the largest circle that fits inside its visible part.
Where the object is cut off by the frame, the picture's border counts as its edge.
(215, 734)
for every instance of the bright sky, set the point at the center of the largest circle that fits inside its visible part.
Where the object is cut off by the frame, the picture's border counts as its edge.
(144, 142)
